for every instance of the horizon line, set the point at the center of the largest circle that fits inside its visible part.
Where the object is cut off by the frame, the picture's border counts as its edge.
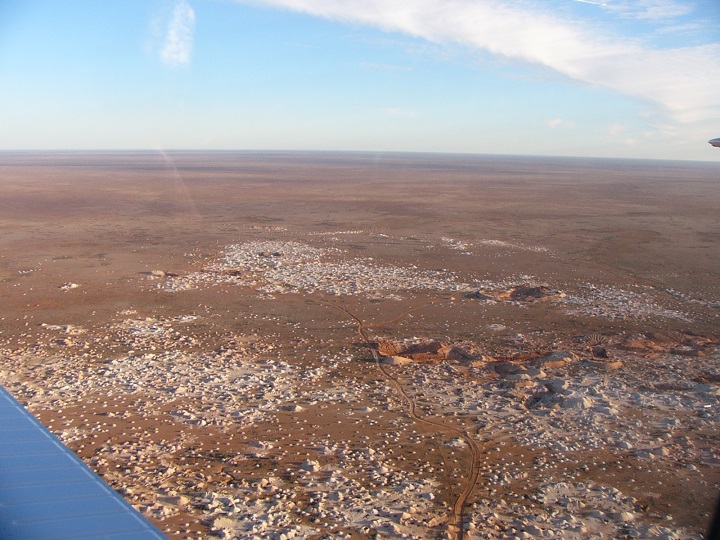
(306, 151)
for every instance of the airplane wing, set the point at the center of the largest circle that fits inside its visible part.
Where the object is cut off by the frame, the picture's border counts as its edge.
(46, 491)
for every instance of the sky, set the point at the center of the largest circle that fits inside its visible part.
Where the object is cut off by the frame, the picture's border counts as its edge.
(602, 78)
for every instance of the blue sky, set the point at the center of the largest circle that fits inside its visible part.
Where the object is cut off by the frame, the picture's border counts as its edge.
(609, 78)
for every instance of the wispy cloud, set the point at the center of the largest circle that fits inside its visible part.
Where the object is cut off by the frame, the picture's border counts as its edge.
(179, 37)
(559, 122)
(683, 82)
(648, 9)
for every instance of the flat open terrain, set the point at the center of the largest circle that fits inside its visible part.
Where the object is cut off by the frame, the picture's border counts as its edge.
(270, 345)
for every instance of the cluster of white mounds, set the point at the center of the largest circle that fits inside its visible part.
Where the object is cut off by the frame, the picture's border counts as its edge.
(465, 246)
(284, 267)
(456, 245)
(273, 267)
(233, 387)
(573, 511)
(144, 472)
(559, 405)
(336, 233)
(616, 303)
(68, 286)
(334, 497)
(583, 408)
(513, 245)
(69, 329)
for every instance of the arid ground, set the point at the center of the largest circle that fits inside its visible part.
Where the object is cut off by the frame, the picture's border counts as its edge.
(272, 345)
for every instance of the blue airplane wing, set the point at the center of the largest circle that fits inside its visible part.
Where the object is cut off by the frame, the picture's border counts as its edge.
(47, 492)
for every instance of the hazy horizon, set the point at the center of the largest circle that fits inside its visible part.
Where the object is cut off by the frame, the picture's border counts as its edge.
(369, 153)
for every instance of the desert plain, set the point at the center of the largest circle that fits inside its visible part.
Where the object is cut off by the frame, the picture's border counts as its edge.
(361, 345)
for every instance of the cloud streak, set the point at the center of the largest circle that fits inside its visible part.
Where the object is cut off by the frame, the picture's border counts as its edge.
(179, 37)
(648, 9)
(683, 82)
(559, 122)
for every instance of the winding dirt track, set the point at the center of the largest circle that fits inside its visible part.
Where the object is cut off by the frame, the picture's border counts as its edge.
(455, 527)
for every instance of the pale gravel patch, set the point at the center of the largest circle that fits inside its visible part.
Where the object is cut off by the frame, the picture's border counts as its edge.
(281, 267)
(617, 304)
(571, 511)
(292, 267)
(241, 385)
(511, 245)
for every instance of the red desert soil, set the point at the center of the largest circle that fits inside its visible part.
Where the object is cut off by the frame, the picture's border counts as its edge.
(251, 345)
